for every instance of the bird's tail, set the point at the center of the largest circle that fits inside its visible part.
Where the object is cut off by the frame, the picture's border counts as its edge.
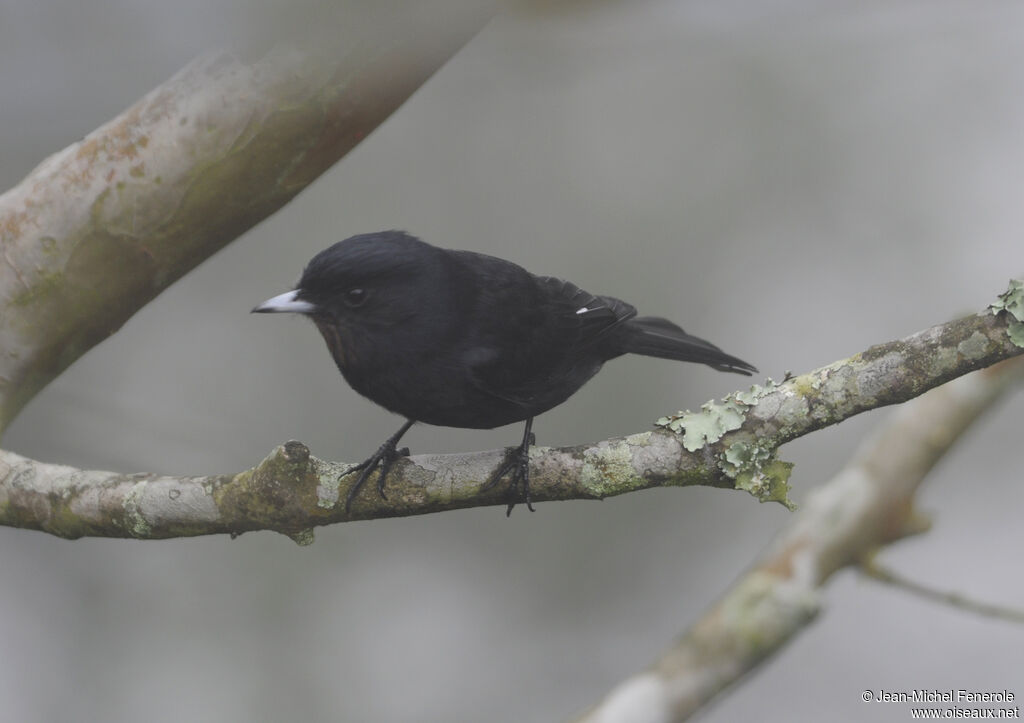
(653, 336)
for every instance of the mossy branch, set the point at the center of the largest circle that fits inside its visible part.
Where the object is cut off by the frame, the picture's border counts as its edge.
(292, 492)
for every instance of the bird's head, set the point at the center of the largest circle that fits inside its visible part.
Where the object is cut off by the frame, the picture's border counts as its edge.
(367, 291)
(370, 280)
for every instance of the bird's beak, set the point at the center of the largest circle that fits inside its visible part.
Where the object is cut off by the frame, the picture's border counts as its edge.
(285, 302)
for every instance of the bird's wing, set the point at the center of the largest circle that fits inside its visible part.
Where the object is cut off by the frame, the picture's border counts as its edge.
(554, 347)
(582, 316)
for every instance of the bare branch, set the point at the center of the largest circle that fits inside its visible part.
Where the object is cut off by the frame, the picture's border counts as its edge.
(102, 227)
(868, 504)
(292, 492)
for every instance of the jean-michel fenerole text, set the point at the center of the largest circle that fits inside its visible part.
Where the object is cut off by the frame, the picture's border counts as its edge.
(943, 696)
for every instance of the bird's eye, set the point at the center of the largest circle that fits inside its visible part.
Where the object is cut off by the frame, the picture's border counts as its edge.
(356, 297)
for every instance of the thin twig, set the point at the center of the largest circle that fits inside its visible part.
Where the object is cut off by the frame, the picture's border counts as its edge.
(875, 570)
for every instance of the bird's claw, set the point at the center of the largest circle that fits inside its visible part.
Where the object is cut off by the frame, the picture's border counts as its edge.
(517, 461)
(383, 457)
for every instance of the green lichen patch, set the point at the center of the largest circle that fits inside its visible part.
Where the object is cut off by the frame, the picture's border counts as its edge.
(749, 461)
(768, 482)
(607, 467)
(756, 470)
(715, 418)
(974, 347)
(302, 538)
(756, 393)
(135, 522)
(1016, 333)
(742, 456)
(1012, 302)
(708, 425)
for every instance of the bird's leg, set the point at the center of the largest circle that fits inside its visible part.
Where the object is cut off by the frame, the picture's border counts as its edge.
(517, 461)
(385, 455)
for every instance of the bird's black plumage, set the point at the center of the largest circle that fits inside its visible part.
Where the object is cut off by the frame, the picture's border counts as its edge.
(460, 339)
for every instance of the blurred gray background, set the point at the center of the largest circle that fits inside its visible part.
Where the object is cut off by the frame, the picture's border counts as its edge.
(793, 180)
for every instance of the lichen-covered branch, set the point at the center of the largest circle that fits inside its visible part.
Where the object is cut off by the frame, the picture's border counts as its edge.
(742, 432)
(103, 226)
(730, 443)
(868, 504)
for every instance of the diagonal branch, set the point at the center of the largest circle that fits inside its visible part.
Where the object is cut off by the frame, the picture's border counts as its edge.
(730, 443)
(102, 227)
(868, 504)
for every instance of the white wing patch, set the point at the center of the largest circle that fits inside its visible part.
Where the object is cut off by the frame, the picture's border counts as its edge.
(585, 309)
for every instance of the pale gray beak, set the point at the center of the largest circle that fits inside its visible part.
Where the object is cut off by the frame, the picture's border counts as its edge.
(285, 302)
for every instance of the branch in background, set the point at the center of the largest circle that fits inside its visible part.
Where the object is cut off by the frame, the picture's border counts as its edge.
(876, 571)
(868, 504)
(102, 227)
(292, 492)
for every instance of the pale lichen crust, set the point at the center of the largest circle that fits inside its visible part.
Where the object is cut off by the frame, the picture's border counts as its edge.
(1012, 302)
(708, 425)
(748, 460)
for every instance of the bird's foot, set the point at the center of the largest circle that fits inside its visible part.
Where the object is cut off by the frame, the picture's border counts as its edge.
(384, 457)
(516, 462)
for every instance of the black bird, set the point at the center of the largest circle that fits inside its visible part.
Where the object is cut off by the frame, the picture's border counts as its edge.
(460, 339)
